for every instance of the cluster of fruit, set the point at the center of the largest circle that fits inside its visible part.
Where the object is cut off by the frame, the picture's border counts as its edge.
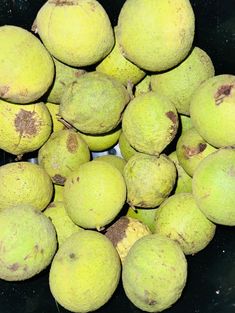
(79, 86)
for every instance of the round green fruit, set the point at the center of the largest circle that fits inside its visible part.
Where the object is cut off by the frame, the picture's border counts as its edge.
(114, 160)
(127, 151)
(145, 216)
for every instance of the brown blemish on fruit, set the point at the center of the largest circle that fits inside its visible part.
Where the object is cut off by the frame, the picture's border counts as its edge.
(148, 299)
(72, 256)
(25, 123)
(14, 267)
(62, 2)
(117, 231)
(36, 247)
(78, 179)
(24, 92)
(51, 205)
(79, 73)
(4, 90)
(42, 251)
(72, 143)
(173, 117)
(221, 93)
(58, 179)
(25, 268)
(191, 151)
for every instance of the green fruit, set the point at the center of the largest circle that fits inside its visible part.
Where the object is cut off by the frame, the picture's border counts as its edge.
(150, 123)
(183, 180)
(143, 86)
(63, 153)
(124, 233)
(26, 68)
(145, 216)
(63, 224)
(127, 151)
(94, 92)
(154, 34)
(191, 149)
(53, 108)
(28, 242)
(212, 109)
(179, 83)
(94, 194)
(149, 179)
(78, 33)
(23, 128)
(154, 273)
(180, 219)
(25, 183)
(58, 193)
(64, 75)
(85, 272)
(114, 160)
(213, 186)
(185, 122)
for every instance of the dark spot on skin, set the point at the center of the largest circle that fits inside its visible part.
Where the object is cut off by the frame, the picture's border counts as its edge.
(72, 256)
(72, 142)
(222, 92)
(62, 2)
(42, 251)
(4, 90)
(79, 73)
(36, 247)
(148, 300)
(117, 231)
(191, 151)
(25, 123)
(14, 267)
(25, 268)
(173, 117)
(62, 83)
(58, 179)
(78, 179)
(51, 205)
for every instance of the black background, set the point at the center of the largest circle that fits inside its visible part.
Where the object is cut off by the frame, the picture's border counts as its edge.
(211, 273)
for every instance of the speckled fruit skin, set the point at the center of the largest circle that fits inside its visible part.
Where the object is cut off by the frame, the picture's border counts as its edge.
(180, 219)
(94, 92)
(169, 36)
(25, 183)
(149, 179)
(114, 160)
(127, 151)
(23, 128)
(28, 242)
(213, 186)
(20, 82)
(179, 83)
(65, 29)
(64, 152)
(85, 272)
(212, 110)
(94, 194)
(191, 149)
(150, 123)
(163, 269)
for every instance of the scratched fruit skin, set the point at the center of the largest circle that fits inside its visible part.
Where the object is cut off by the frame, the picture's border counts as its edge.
(180, 219)
(212, 110)
(94, 194)
(85, 272)
(20, 82)
(28, 242)
(25, 183)
(23, 128)
(191, 148)
(213, 186)
(64, 152)
(53, 108)
(77, 32)
(150, 123)
(163, 269)
(94, 103)
(156, 35)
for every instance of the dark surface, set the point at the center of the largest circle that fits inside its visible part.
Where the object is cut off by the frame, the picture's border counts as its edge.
(211, 273)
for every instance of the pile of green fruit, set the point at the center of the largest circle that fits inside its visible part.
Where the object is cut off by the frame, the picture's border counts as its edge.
(75, 86)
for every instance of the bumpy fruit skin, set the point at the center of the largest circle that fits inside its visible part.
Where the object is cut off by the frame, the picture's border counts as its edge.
(127, 151)
(179, 83)
(180, 219)
(28, 242)
(94, 194)
(26, 68)
(114, 160)
(77, 32)
(163, 269)
(124, 233)
(63, 224)
(64, 152)
(143, 86)
(145, 216)
(191, 149)
(149, 179)
(25, 183)
(85, 272)
(64, 75)
(169, 36)
(23, 128)
(53, 108)
(94, 93)
(213, 186)
(212, 110)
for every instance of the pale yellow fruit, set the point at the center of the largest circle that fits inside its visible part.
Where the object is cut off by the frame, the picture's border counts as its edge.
(156, 34)
(25, 183)
(58, 192)
(94, 194)
(23, 128)
(143, 86)
(63, 224)
(78, 32)
(114, 160)
(53, 108)
(127, 151)
(145, 216)
(26, 68)
(85, 272)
